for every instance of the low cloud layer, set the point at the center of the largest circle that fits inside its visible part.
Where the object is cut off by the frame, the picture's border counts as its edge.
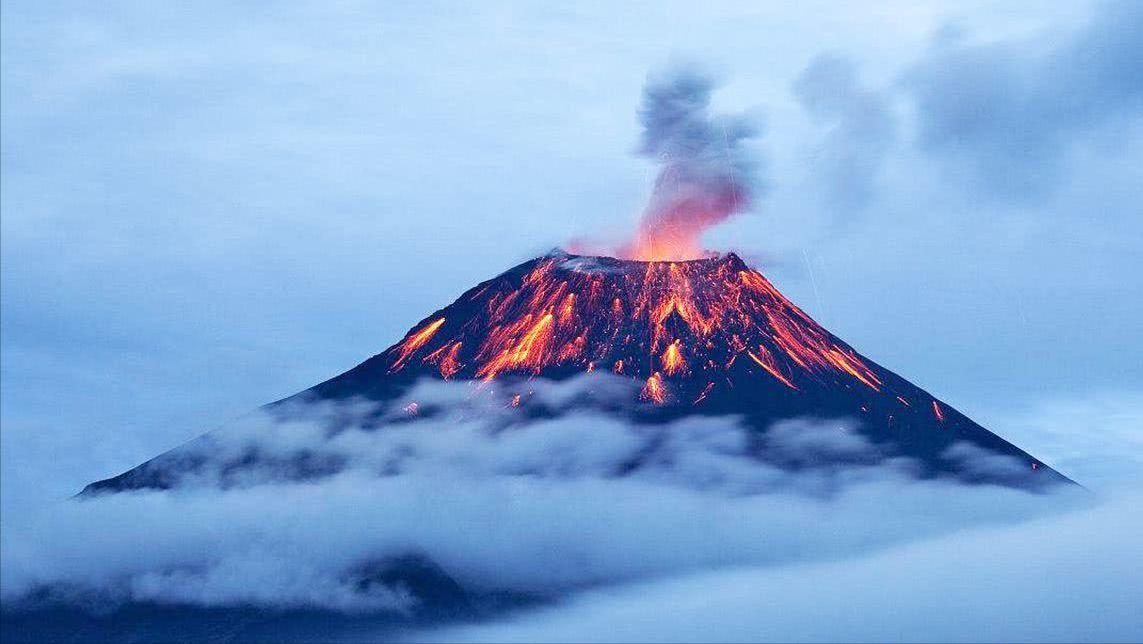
(543, 508)
(1068, 578)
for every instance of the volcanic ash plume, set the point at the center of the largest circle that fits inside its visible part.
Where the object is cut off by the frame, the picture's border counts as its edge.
(704, 175)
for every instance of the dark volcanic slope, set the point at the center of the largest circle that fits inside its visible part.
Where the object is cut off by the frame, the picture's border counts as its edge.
(709, 336)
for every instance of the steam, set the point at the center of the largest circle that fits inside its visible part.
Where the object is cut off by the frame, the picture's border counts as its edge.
(704, 177)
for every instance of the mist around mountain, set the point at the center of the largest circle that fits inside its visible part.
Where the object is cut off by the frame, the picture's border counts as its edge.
(450, 518)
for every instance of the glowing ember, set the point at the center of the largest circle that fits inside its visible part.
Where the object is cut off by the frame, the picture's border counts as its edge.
(446, 359)
(416, 341)
(528, 349)
(654, 390)
(705, 393)
(673, 359)
(938, 412)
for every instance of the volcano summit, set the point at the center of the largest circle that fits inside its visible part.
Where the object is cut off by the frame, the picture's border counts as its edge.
(706, 337)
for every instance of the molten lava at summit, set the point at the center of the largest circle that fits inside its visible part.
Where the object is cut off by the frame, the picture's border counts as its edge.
(657, 321)
(707, 337)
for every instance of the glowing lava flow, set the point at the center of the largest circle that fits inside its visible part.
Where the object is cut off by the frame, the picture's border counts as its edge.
(769, 366)
(524, 343)
(654, 390)
(938, 412)
(415, 341)
(652, 321)
(673, 359)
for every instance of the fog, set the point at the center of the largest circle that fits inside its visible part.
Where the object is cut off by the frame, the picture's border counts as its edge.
(1076, 577)
(546, 507)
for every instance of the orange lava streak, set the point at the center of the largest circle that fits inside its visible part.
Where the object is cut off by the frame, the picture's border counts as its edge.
(528, 351)
(854, 367)
(654, 390)
(673, 359)
(636, 319)
(770, 368)
(800, 338)
(675, 295)
(572, 349)
(446, 358)
(705, 392)
(567, 311)
(938, 412)
(416, 341)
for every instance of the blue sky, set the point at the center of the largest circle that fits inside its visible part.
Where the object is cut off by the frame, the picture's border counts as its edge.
(207, 207)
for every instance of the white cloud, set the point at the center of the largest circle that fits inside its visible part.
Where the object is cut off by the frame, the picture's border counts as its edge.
(543, 507)
(1070, 578)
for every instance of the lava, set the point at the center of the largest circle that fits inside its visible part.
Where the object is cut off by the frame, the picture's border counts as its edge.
(673, 359)
(654, 390)
(524, 343)
(654, 321)
(417, 340)
(938, 412)
(769, 366)
(446, 359)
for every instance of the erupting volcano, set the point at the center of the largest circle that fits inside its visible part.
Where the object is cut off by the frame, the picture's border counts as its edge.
(698, 333)
(708, 337)
(676, 325)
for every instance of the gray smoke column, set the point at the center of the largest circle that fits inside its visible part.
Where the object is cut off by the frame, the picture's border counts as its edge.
(704, 176)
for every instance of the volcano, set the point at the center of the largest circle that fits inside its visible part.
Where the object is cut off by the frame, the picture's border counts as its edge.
(709, 337)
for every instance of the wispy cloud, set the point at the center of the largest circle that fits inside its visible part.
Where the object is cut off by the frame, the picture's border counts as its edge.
(1011, 111)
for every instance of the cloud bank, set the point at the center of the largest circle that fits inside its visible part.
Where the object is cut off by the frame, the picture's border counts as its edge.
(1069, 578)
(541, 508)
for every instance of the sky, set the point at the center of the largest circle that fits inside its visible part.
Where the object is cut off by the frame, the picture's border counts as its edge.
(207, 207)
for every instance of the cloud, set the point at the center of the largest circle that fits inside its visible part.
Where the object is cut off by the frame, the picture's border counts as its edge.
(980, 464)
(1069, 578)
(861, 129)
(1093, 436)
(1007, 113)
(543, 507)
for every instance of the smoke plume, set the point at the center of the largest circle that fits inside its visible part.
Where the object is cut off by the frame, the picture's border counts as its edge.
(704, 174)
